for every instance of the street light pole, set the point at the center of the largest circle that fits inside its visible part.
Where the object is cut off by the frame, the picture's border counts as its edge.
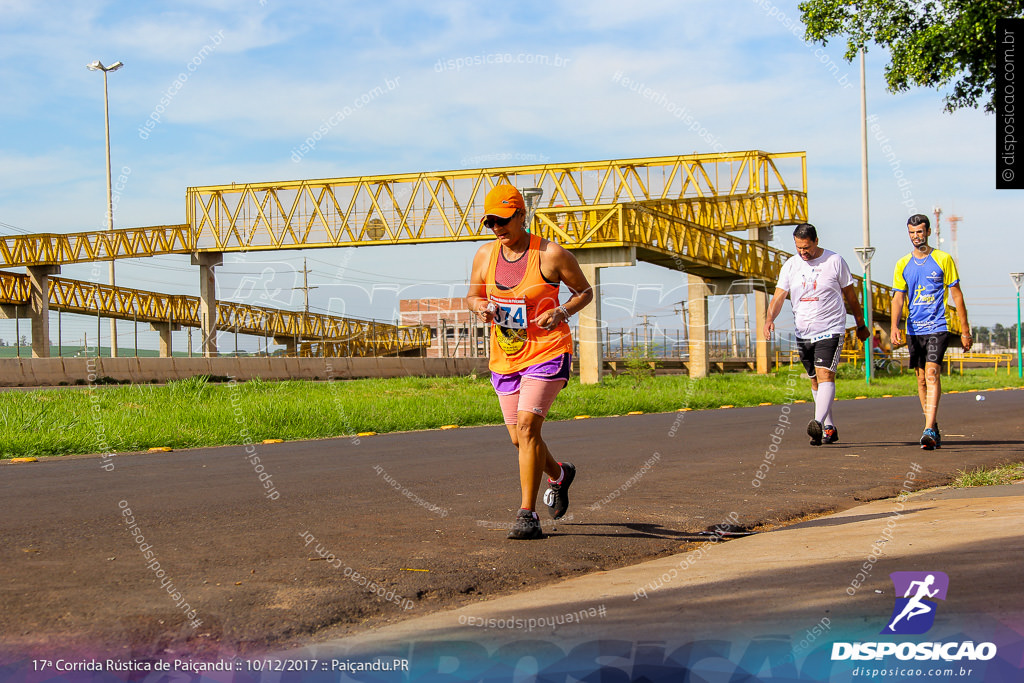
(98, 66)
(531, 197)
(1018, 278)
(865, 252)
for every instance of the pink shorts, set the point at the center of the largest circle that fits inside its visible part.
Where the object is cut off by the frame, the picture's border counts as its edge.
(533, 389)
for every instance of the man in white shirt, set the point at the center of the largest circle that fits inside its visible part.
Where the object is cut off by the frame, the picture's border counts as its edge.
(820, 282)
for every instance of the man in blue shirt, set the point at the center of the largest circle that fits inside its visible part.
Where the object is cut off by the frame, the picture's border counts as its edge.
(921, 279)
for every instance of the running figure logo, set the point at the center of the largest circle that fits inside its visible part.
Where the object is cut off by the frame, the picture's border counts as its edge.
(914, 613)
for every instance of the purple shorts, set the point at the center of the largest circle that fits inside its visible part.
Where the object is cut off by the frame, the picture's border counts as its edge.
(557, 368)
(533, 389)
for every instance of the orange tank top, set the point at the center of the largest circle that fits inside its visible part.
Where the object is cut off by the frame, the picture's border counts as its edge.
(516, 341)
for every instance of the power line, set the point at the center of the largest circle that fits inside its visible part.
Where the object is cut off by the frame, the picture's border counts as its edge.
(15, 228)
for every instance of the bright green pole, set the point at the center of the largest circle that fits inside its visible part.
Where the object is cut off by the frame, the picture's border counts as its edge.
(864, 255)
(870, 339)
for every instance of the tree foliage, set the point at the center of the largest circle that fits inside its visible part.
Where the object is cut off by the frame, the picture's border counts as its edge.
(932, 43)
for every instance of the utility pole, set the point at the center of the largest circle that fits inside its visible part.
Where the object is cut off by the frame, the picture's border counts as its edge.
(1018, 279)
(938, 229)
(732, 326)
(305, 307)
(305, 287)
(681, 310)
(747, 348)
(646, 324)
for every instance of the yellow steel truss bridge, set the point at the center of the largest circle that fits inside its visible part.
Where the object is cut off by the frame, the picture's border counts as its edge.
(722, 192)
(351, 336)
(676, 211)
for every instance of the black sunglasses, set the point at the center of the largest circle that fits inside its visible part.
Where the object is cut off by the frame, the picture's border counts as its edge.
(491, 221)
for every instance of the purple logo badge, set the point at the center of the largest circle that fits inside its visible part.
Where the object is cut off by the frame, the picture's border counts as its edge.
(916, 593)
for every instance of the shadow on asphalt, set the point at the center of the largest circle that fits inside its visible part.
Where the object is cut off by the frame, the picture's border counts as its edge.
(679, 611)
(641, 530)
(917, 444)
(982, 442)
(852, 519)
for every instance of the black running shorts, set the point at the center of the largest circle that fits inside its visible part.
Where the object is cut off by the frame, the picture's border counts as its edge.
(820, 352)
(927, 348)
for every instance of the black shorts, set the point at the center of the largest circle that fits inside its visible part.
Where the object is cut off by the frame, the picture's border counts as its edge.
(930, 348)
(820, 353)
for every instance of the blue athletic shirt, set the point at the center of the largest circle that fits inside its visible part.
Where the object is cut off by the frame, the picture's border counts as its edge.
(925, 281)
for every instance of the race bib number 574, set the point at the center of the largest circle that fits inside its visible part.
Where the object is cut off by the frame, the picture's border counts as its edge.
(511, 313)
(510, 324)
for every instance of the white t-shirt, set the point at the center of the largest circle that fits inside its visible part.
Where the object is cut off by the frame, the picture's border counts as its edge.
(815, 288)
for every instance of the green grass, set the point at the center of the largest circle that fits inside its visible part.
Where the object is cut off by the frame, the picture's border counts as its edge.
(194, 412)
(1005, 474)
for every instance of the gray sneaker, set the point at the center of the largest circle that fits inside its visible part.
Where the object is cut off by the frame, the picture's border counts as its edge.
(815, 430)
(557, 496)
(526, 527)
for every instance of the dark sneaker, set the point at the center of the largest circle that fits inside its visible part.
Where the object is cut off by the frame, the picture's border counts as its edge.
(929, 439)
(557, 496)
(830, 434)
(815, 430)
(526, 526)
(938, 436)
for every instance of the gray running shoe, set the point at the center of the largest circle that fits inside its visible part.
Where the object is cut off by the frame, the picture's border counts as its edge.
(526, 526)
(557, 496)
(815, 430)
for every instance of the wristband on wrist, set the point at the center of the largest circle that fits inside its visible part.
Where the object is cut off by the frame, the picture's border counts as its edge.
(565, 313)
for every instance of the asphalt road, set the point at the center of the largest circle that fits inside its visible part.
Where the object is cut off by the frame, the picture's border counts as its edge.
(355, 533)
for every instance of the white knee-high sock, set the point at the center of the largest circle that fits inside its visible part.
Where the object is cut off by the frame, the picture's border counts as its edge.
(823, 401)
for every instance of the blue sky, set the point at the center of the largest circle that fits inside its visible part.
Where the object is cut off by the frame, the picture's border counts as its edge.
(262, 75)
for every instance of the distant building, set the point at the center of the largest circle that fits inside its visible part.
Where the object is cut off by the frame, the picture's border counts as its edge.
(454, 331)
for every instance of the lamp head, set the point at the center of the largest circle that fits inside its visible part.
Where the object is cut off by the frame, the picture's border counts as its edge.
(98, 66)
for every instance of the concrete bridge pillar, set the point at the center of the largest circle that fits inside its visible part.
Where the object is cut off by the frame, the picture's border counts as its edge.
(591, 353)
(165, 330)
(290, 344)
(207, 261)
(697, 293)
(39, 308)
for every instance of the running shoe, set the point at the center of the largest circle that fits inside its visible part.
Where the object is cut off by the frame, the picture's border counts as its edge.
(526, 527)
(557, 497)
(831, 434)
(929, 439)
(938, 436)
(814, 430)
